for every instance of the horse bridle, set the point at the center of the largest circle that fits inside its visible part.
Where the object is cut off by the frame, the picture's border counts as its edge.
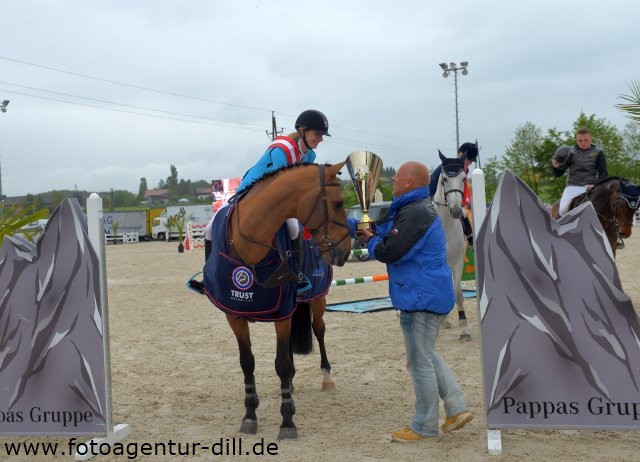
(632, 203)
(443, 176)
(326, 241)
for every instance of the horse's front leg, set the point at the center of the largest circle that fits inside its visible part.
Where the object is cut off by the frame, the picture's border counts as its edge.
(317, 308)
(240, 328)
(284, 369)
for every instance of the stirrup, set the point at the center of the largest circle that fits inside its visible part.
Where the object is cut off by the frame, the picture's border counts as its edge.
(303, 284)
(196, 286)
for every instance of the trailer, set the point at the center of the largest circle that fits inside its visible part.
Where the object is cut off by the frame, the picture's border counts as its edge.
(197, 215)
(117, 223)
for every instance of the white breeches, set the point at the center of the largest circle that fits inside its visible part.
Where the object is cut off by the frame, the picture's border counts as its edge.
(567, 195)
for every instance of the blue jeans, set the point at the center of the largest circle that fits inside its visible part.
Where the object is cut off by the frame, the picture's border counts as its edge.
(431, 376)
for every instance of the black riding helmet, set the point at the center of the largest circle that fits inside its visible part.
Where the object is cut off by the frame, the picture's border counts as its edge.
(468, 151)
(562, 154)
(315, 120)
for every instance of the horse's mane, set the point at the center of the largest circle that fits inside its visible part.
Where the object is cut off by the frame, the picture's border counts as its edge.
(608, 179)
(275, 172)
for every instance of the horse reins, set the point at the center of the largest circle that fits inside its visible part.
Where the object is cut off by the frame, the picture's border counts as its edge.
(443, 176)
(325, 242)
(614, 209)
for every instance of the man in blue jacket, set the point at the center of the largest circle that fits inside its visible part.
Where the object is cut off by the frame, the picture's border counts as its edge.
(411, 241)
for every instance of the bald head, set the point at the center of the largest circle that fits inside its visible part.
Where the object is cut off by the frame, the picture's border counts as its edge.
(410, 176)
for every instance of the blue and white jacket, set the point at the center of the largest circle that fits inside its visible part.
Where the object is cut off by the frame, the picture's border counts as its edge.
(283, 151)
(411, 242)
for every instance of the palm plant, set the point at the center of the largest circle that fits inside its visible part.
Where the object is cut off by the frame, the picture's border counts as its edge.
(632, 105)
(115, 225)
(16, 216)
(181, 223)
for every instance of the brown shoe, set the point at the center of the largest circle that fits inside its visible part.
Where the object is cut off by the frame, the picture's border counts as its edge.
(406, 435)
(456, 422)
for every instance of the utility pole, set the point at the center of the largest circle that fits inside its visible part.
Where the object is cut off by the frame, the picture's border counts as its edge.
(274, 129)
(3, 108)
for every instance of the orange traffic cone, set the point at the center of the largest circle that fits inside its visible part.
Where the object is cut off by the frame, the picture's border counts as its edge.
(187, 245)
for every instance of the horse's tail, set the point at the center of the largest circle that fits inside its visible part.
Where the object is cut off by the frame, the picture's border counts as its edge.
(301, 333)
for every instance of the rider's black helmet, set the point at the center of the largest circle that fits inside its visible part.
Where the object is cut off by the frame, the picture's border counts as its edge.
(561, 154)
(314, 120)
(468, 151)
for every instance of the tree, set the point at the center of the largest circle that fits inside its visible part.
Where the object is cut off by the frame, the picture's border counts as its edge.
(631, 148)
(523, 158)
(632, 105)
(142, 189)
(492, 173)
(172, 183)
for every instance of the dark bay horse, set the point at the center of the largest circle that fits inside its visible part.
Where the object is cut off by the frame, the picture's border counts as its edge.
(615, 200)
(312, 194)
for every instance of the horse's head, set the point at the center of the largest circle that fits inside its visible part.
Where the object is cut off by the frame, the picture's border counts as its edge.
(325, 217)
(451, 185)
(625, 203)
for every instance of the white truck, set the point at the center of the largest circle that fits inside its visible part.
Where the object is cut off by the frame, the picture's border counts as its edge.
(129, 221)
(197, 215)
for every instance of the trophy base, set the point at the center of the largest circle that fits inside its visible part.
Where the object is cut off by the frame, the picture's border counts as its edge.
(365, 225)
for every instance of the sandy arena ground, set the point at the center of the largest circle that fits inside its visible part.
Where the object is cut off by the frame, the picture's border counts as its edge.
(176, 376)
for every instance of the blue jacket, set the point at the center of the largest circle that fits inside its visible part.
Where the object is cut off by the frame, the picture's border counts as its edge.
(282, 152)
(412, 243)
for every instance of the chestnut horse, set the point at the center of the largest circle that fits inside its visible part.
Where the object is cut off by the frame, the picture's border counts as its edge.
(313, 303)
(312, 194)
(615, 200)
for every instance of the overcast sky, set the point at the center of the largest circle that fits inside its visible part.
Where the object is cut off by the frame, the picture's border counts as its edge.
(103, 93)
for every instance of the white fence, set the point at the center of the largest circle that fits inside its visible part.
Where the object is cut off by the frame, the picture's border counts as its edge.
(125, 238)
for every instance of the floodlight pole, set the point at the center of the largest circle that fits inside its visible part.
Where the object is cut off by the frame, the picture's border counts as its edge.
(453, 68)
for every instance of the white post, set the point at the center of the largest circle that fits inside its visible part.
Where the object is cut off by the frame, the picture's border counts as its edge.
(478, 201)
(494, 437)
(96, 237)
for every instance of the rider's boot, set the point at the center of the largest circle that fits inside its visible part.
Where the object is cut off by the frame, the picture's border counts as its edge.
(207, 249)
(303, 284)
(467, 230)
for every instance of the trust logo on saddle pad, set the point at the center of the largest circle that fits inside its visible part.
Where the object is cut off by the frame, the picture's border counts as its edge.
(242, 278)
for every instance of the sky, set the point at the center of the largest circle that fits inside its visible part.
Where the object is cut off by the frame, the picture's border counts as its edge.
(105, 92)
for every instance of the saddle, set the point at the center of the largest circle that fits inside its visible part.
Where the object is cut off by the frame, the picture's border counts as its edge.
(262, 292)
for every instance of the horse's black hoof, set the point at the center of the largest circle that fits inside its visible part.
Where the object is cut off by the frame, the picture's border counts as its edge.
(288, 433)
(249, 427)
(465, 337)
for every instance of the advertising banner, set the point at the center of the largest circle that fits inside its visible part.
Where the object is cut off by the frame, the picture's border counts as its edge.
(52, 366)
(560, 338)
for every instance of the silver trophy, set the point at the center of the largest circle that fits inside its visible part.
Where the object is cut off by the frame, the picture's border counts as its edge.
(364, 168)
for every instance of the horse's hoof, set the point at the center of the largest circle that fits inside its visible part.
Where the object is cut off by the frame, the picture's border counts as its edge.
(447, 324)
(465, 337)
(249, 427)
(328, 386)
(288, 433)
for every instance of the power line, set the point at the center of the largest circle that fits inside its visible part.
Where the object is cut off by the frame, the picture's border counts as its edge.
(127, 105)
(127, 112)
(130, 85)
(197, 98)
